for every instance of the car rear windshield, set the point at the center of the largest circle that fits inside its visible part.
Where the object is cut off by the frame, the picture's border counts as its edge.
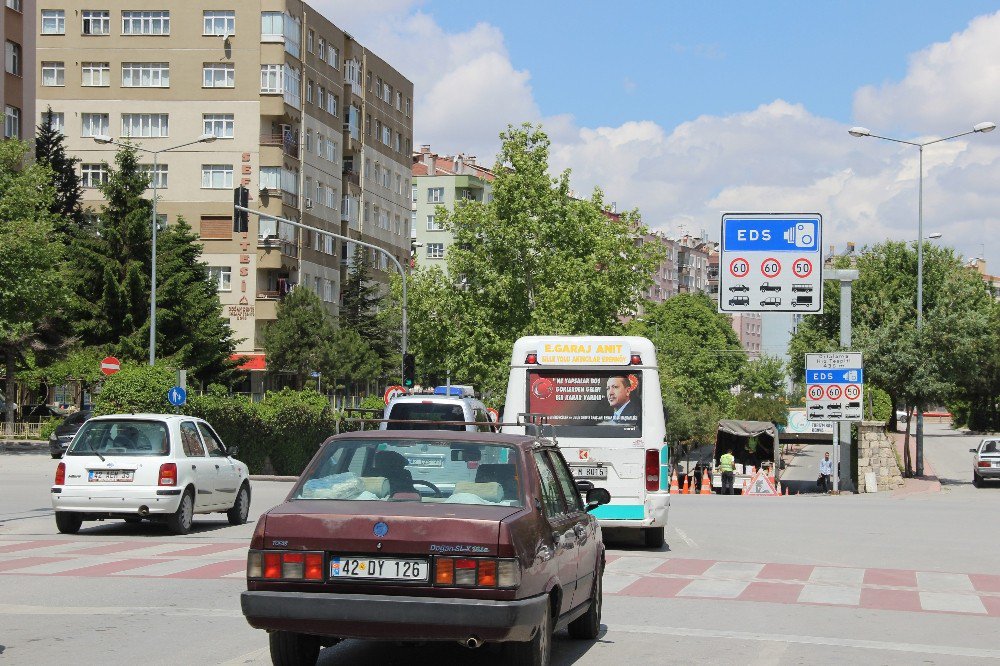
(425, 414)
(121, 438)
(414, 470)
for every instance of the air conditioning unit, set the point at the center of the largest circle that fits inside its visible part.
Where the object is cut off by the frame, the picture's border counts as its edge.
(309, 203)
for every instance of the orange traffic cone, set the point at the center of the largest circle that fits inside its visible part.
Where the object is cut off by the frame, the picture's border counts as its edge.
(674, 490)
(706, 483)
(687, 487)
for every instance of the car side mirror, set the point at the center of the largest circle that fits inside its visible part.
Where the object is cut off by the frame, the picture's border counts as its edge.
(596, 497)
(233, 451)
(972, 450)
(583, 485)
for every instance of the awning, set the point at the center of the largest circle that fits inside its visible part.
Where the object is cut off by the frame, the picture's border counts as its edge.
(747, 428)
(250, 362)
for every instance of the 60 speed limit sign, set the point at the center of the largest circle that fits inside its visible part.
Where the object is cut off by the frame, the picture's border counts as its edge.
(834, 386)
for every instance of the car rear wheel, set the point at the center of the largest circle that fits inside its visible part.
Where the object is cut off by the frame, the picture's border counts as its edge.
(537, 651)
(588, 625)
(68, 522)
(653, 536)
(288, 649)
(57, 456)
(241, 507)
(976, 479)
(132, 520)
(180, 521)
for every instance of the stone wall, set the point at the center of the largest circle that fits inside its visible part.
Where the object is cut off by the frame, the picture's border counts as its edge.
(877, 455)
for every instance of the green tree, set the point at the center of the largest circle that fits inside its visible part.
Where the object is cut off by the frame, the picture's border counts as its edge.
(136, 388)
(111, 276)
(353, 361)
(298, 341)
(189, 327)
(49, 150)
(79, 367)
(533, 260)
(33, 290)
(362, 301)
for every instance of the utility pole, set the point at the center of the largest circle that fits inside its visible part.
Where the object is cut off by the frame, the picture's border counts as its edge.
(842, 480)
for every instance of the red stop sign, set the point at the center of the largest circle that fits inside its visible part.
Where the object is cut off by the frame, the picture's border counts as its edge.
(110, 365)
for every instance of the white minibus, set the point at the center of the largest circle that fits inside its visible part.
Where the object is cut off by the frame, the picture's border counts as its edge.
(602, 397)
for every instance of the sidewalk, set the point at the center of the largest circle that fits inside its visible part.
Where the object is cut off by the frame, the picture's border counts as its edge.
(928, 483)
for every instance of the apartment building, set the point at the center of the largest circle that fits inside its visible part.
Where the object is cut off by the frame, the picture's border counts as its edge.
(313, 123)
(665, 279)
(748, 327)
(441, 180)
(17, 88)
(693, 263)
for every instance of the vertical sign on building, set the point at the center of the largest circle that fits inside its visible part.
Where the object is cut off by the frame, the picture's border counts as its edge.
(834, 386)
(771, 262)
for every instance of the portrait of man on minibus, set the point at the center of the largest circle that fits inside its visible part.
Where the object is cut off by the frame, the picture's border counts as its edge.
(623, 399)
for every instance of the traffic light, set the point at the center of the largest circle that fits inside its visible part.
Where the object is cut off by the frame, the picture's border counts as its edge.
(241, 218)
(409, 370)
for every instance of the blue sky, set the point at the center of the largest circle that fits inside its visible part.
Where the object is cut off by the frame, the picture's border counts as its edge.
(688, 110)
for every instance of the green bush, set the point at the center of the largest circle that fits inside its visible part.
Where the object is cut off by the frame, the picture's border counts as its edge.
(372, 402)
(48, 426)
(238, 421)
(881, 404)
(135, 389)
(297, 422)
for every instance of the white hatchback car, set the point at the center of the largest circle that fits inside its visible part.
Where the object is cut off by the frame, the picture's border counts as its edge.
(986, 461)
(160, 467)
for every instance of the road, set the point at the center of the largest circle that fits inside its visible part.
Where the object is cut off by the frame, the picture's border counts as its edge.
(806, 579)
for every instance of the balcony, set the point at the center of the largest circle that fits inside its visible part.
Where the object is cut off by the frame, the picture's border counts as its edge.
(353, 177)
(287, 142)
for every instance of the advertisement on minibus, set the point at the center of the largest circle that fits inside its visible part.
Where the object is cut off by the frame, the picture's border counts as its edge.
(588, 403)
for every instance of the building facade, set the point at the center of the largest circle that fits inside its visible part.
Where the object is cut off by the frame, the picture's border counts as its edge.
(314, 124)
(665, 283)
(17, 89)
(748, 327)
(692, 264)
(441, 180)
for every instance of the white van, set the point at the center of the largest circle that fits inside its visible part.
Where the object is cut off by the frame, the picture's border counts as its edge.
(602, 397)
(446, 409)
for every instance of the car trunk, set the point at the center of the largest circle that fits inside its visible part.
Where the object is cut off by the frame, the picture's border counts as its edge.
(114, 470)
(410, 528)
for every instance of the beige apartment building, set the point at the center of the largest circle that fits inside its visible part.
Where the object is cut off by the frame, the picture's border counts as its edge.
(315, 125)
(17, 88)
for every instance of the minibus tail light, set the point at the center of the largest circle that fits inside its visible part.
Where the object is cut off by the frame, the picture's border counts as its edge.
(531, 359)
(636, 359)
(652, 469)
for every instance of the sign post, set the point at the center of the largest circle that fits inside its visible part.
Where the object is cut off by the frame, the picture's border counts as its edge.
(771, 262)
(834, 392)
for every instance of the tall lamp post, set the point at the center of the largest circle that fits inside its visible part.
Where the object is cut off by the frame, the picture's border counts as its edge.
(982, 128)
(105, 140)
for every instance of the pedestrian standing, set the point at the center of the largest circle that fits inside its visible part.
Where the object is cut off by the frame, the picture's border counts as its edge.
(727, 465)
(826, 473)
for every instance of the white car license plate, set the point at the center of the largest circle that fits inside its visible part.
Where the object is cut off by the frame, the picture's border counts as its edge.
(582, 472)
(425, 461)
(111, 475)
(379, 568)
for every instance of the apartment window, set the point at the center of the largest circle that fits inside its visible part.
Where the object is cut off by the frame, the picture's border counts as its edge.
(310, 39)
(271, 79)
(220, 125)
(12, 60)
(270, 178)
(221, 277)
(145, 125)
(398, 141)
(331, 150)
(219, 22)
(321, 97)
(292, 80)
(219, 75)
(14, 4)
(321, 50)
(53, 22)
(432, 225)
(217, 176)
(332, 104)
(309, 140)
(386, 135)
(157, 176)
(333, 56)
(53, 73)
(146, 23)
(413, 193)
(435, 250)
(328, 249)
(435, 194)
(320, 145)
(11, 122)
(320, 196)
(292, 30)
(96, 22)
(408, 104)
(96, 124)
(309, 92)
(368, 124)
(95, 73)
(145, 75)
(93, 175)
(272, 25)
(58, 121)
(399, 101)
(387, 93)
(368, 81)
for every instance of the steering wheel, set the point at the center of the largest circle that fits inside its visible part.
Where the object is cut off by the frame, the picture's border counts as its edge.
(437, 492)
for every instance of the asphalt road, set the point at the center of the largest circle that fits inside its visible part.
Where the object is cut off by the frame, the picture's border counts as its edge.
(809, 579)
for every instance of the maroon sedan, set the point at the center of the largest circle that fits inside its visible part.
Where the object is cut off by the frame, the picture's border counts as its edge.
(444, 536)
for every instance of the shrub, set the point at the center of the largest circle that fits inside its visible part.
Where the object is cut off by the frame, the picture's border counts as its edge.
(881, 404)
(134, 389)
(238, 421)
(297, 422)
(49, 426)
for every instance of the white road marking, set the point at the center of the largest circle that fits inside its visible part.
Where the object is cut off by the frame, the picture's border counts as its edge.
(685, 538)
(738, 570)
(22, 609)
(717, 589)
(954, 603)
(916, 648)
(635, 564)
(837, 576)
(830, 594)
(932, 581)
(167, 567)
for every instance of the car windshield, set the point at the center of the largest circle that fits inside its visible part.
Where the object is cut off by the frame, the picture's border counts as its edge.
(426, 411)
(414, 470)
(121, 438)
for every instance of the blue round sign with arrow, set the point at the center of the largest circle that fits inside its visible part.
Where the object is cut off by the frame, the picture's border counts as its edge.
(177, 396)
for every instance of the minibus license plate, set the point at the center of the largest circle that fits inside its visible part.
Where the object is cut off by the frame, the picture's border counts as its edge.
(581, 472)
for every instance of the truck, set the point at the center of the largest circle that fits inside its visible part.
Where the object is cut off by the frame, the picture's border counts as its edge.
(755, 445)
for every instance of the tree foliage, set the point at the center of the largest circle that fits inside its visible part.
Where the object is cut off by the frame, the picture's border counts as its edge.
(67, 202)
(362, 301)
(297, 342)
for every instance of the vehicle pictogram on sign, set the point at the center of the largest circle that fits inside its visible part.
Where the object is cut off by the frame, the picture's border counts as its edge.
(770, 267)
(816, 392)
(852, 391)
(802, 267)
(833, 391)
(739, 267)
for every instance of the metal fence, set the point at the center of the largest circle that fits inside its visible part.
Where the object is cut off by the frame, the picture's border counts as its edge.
(21, 430)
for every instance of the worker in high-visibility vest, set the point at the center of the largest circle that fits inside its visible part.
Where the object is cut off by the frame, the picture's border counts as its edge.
(727, 465)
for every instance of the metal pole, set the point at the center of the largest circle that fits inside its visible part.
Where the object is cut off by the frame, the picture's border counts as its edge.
(846, 482)
(920, 302)
(399, 267)
(152, 274)
(836, 460)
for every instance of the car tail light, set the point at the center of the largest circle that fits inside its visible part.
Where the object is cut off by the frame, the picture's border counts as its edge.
(636, 359)
(61, 474)
(531, 359)
(476, 572)
(982, 463)
(168, 474)
(285, 565)
(652, 469)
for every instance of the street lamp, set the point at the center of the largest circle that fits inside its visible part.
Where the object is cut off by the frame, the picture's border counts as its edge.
(981, 128)
(105, 140)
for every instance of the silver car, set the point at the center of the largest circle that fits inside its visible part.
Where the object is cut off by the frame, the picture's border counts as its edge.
(986, 461)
